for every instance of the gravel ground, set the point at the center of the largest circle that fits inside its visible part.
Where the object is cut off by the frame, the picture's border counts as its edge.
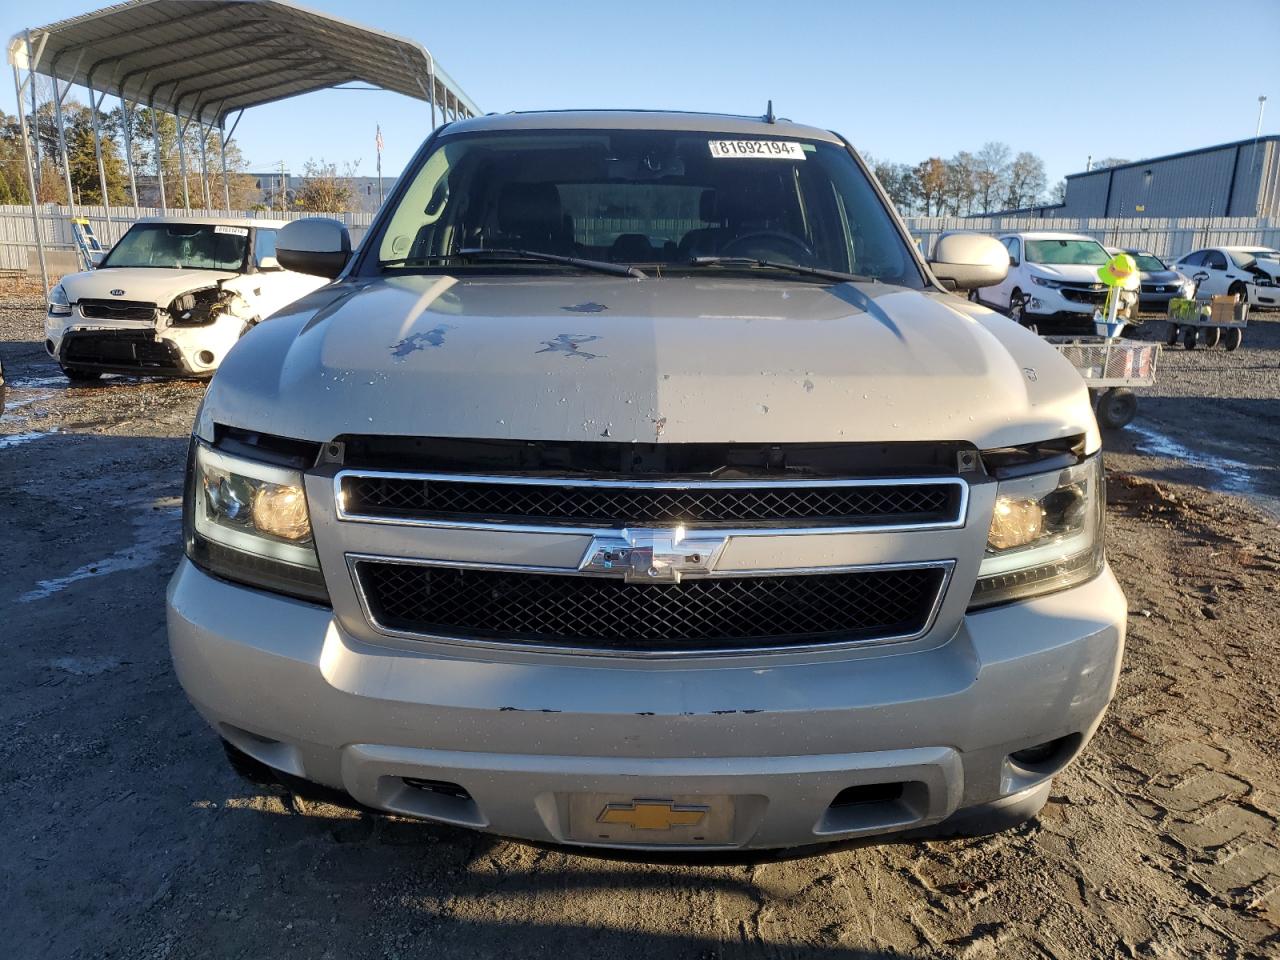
(125, 834)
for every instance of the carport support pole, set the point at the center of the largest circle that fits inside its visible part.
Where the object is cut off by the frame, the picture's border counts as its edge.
(204, 166)
(431, 89)
(102, 170)
(182, 159)
(58, 96)
(155, 145)
(226, 183)
(126, 114)
(31, 178)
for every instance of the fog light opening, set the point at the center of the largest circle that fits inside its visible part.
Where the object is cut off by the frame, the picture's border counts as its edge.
(205, 357)
(867, 793)
(1048, 757)
(442, 787)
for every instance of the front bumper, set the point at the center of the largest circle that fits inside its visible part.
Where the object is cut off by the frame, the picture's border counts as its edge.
(1050, 302)
(283, 682)
(138, 347)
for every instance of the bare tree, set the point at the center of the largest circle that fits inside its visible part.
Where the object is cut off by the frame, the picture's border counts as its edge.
(931, 185)
(961, 184)
(898, 180)
(991, 173)
(1027, 181)
(1059, 192)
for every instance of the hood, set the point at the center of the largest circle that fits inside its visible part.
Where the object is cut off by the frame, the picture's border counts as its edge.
(140, 284)
(680, 360)
(1074, 272)
(1269, 266)
(1162, 276)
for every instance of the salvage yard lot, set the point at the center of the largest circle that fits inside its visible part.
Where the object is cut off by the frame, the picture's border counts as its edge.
(125, 835)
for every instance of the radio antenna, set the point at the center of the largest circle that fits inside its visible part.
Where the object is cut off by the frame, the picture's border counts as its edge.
(768, 113)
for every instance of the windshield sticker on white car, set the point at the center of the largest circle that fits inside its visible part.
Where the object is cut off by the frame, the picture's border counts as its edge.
(233, 231)
(767, 149)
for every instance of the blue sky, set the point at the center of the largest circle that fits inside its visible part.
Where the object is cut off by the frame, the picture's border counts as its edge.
(901, 81)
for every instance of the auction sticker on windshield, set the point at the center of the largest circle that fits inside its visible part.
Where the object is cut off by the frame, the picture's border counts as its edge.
(769, 149)
(232, 231)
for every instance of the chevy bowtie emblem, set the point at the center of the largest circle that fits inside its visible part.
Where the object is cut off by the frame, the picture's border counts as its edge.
(652, 556)
(653, 814)
(117, 293)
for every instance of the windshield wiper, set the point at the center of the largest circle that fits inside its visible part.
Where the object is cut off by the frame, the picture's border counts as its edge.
(536, 256)
(836, 275)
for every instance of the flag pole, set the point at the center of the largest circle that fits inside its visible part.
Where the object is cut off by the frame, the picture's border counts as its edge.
(378, 143)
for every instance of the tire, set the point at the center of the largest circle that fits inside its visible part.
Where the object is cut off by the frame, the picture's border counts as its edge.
(1189, 338)
(1211, 336)
(1018, 308)
(79, 375)
(1171, 335)
(1117, 407)
(1239, 290)
(1233, 338)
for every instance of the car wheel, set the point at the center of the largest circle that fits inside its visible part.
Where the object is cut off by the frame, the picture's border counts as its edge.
(1233, 338)
(79, 375)
(1116, 407)
(1189, 338)
(973, 296)
(1171, 335)
(1211, 336)
(1018, 308)
(1240, 291)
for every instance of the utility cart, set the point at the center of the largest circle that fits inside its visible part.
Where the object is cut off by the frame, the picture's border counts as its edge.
(1112, 368)
(1221, 318)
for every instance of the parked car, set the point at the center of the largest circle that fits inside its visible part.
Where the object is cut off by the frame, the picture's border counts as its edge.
(1160, 282)
(170, 298)
(636, 484)
(1250, 273)
(1052, 282)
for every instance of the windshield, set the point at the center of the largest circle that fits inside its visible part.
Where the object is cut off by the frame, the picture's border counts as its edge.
(1059, 252)
(1245, 257)
(1149, 263)
(643, 197)
(199, 246)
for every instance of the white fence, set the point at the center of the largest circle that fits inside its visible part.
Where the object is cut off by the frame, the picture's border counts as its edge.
(1166, 238)
(18, 239)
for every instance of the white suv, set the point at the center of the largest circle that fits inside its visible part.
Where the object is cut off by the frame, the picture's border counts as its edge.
(1053, 278)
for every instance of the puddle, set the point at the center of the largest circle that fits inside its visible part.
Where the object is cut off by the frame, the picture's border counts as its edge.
(1233, 476)
(18, 439)
(154, 532)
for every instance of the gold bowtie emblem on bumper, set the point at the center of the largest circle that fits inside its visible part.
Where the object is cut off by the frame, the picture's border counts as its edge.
(653, 814)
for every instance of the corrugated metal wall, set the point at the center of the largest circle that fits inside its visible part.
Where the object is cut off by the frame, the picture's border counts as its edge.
(1233, 180)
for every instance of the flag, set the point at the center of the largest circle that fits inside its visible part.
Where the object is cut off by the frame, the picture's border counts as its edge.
(378, 139)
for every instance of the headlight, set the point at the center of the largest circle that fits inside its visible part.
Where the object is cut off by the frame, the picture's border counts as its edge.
(1046, 534)
(247, 521)
(1046, 282)
(59, 302)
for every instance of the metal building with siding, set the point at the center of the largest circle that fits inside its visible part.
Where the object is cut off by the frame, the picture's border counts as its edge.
(1240, 179)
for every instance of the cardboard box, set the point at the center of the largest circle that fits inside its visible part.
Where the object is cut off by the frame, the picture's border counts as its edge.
(1223, 309)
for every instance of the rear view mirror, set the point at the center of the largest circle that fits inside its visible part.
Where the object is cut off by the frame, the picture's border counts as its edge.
(317, 246)
(966, 261)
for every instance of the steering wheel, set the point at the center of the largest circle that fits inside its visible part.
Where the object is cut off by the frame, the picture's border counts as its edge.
(786, 244)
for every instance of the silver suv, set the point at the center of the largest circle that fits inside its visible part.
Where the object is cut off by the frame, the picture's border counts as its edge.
(636, 484)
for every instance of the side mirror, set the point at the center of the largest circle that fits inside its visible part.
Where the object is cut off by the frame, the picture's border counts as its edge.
(966, 261)
(318, 246)
(96, 257)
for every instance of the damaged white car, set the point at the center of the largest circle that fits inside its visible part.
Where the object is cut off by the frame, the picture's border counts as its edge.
(170, 299)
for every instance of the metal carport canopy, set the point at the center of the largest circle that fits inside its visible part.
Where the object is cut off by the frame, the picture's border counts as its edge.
(205, 59)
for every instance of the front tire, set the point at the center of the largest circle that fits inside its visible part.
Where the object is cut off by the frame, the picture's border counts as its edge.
(1211, 336)
(1189, 337)
(1171, 335)
(1018, 308)
(1234, 337)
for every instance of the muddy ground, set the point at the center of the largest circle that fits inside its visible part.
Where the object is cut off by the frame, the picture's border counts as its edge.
(125, 835)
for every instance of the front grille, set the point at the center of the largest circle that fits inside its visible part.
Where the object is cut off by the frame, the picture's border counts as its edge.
(120, 349)
(117, 310)
(538, 501)
(606, 614)
(1079, 295)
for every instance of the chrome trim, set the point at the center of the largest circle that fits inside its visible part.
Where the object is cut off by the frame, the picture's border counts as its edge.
(946, 566)
(962, 511)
